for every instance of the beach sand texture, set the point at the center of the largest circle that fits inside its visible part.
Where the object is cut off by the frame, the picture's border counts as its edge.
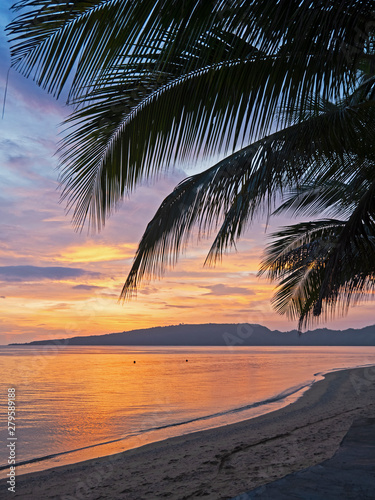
(224, 462)
(348, 475)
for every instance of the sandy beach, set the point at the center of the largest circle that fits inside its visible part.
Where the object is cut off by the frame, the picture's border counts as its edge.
(219, 463)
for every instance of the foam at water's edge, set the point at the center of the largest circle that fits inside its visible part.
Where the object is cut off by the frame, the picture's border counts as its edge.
(278, 398)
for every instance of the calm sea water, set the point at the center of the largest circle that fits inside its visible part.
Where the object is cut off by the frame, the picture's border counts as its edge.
(75, 403)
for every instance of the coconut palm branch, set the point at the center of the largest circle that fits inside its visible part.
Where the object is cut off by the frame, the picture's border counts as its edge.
(325, 265)
(321, 267)
(225, 197)
(149, 80)
(155, 83)
(53, 40)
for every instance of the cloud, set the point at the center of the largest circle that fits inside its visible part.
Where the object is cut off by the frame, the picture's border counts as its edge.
(180, 307)
(35, 273)
(150, 290)
(58, 307)
(93, 252)
(87, 287)
(222, 289)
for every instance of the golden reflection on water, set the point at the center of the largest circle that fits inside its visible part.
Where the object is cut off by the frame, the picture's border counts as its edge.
(74, 397)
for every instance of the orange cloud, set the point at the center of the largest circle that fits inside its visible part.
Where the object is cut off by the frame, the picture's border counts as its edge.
(93, 252)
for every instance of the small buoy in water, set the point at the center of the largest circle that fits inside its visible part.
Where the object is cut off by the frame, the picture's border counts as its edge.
(133, 361)
(187, 360)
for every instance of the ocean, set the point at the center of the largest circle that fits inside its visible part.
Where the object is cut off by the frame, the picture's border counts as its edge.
(77, 403)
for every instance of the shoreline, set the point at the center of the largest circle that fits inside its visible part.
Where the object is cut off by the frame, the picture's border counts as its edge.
(255, 410)
(222, 462)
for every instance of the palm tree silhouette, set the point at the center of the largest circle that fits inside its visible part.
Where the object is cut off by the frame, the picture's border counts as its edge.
(283, 89)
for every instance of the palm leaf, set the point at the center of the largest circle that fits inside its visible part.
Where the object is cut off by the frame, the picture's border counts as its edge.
(237, 186)
(325, 265)
(153, 83)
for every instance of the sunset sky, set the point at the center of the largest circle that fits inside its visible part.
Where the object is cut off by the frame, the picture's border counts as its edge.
(80, 297)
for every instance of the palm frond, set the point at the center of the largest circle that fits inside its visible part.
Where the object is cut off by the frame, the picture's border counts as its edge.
(311, 153)
(324, 265)
(332, 196)
(129, 133)
(355, 248)
(52, 40)
(235, 188)
(155, 83)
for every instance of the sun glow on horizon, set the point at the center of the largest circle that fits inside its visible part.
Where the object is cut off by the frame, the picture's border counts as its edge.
(58, 283)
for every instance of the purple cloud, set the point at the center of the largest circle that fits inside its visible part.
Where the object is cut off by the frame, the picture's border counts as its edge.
(222, 289)
(87, 287)
(35, 273)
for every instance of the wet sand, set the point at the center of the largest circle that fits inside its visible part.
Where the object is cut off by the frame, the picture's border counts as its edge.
(218, 463)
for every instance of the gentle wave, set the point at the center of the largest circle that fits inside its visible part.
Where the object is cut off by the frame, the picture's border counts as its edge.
(275, 399)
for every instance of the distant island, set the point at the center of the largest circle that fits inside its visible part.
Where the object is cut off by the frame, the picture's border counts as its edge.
(212, 334)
